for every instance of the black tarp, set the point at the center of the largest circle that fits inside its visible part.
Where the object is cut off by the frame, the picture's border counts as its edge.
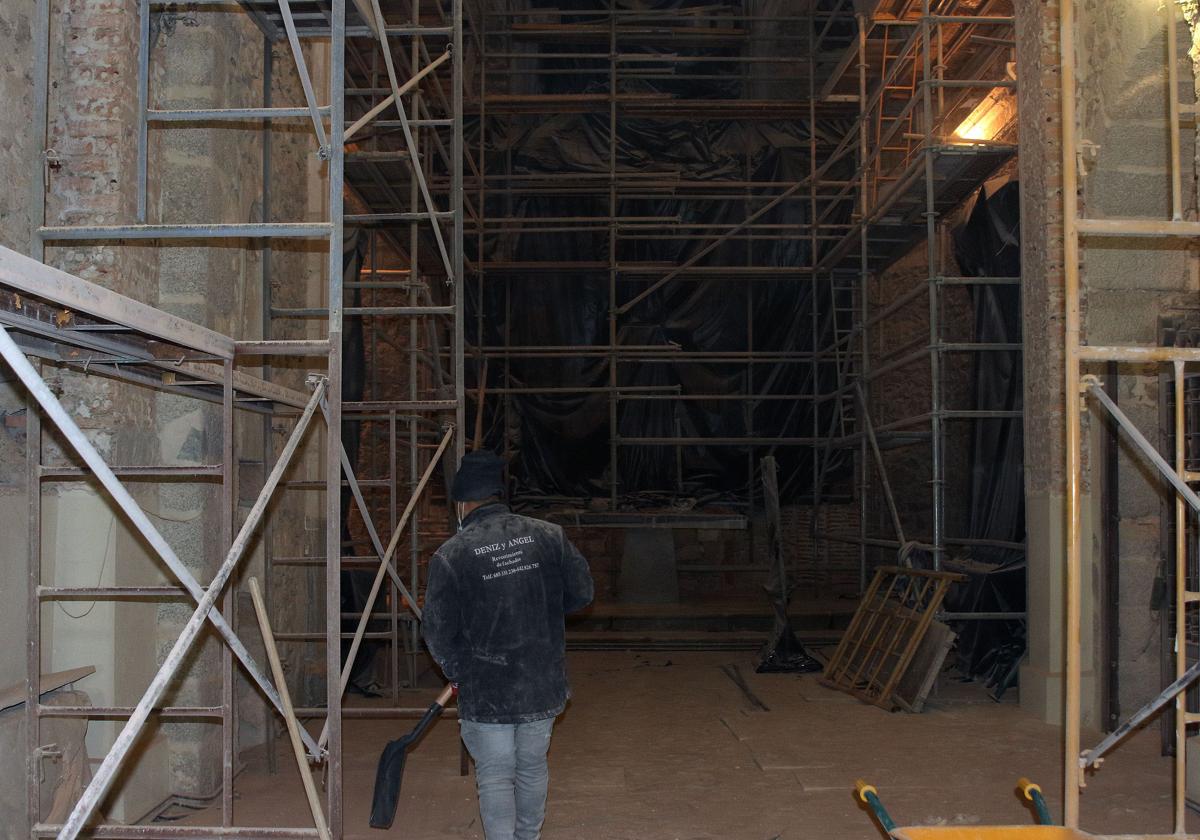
(356, 583)
(989, 245)
(562, 439)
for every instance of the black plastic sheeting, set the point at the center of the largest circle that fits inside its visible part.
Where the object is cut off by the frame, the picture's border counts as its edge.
(356, 583)
(563, 439)
(785, 655)
(989, 245)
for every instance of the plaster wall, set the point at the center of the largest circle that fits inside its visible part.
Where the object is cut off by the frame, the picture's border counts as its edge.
(1131, 285)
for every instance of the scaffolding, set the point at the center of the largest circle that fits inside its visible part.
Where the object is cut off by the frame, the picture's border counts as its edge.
(124, 337)
(403, 173)
(927, 76)
(885, 169)
(612, 55)
(607, 46)
(393, 186)
(884, 95)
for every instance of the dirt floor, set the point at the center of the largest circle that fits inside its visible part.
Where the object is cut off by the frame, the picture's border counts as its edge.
(665, 745)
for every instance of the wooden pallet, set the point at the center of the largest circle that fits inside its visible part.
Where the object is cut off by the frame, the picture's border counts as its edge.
(892, 619)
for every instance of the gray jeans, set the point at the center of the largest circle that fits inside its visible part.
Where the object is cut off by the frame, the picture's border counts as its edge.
(511, 776)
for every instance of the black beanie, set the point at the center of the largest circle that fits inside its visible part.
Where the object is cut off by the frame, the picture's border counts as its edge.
(480, 476)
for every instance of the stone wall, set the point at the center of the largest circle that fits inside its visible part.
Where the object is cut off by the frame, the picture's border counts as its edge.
(1130, 287)
(206, 59)
(16, 160)
(16, 147)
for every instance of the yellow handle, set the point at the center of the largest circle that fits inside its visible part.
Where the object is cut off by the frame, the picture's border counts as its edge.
(862, 789)
(1027, 787)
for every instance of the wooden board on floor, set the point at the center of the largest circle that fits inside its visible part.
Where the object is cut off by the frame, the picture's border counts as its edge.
(927, 662)
(690, 639)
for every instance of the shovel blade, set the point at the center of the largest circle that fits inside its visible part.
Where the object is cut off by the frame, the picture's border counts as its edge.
(391, 767)
(387, 783)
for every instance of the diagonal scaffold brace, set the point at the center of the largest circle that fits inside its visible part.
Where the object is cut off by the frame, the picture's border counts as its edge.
(104, 776)
(137, 517)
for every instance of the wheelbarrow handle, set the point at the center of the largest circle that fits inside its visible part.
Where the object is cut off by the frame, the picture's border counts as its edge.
(1033, 792)
(868, 794)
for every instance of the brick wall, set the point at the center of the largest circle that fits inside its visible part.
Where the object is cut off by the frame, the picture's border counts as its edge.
(906, 392)
(824, 569)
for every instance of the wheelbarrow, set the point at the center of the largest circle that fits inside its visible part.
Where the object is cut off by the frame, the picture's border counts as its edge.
(1043, 830)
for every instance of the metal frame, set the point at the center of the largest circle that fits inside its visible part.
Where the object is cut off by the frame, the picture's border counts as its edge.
(408, 185)
(611, 41)
(618, 64)
(129, 318)
(126, 339)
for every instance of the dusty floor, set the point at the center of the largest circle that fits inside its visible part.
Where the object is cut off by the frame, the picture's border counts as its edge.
(664, 745)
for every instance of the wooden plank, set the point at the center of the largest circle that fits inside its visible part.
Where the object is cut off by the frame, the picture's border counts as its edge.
(726, 608)
(885, 634)
(14, 695)
(914, 686)
(34, 278)
(688, 639)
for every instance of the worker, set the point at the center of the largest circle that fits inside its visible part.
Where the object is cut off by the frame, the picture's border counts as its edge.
(497, 594)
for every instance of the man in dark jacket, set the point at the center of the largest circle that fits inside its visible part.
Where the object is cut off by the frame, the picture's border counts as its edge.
(497, 594)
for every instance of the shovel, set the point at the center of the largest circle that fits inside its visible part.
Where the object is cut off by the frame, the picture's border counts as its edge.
(391, 764)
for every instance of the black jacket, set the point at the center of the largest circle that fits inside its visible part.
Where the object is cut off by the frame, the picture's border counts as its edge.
(497, 594)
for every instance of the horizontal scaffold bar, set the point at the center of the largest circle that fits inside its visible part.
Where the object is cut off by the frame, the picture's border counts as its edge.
(276, 230)
(197, 471)
(168, 832)
(318, 347)
(228, 114)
